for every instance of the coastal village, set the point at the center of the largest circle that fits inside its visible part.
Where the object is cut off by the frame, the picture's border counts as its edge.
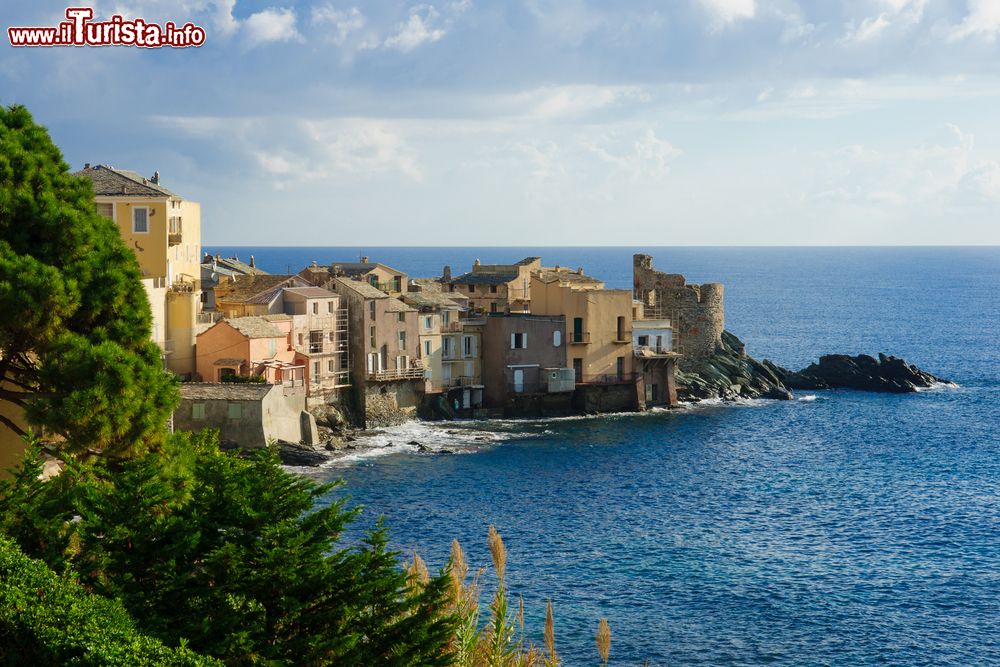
(354, 343)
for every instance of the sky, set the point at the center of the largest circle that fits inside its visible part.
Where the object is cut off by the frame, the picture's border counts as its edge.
(543, 122)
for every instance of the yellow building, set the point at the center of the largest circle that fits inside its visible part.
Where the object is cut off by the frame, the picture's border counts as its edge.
(164, 231)
(496, 288)
(599, 323)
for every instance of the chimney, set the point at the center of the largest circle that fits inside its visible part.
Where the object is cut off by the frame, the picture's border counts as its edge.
(446, 274)
(476, 263)
(251, 262)
(86, 165)
(156, 178)
(313, 265)
(364, 259)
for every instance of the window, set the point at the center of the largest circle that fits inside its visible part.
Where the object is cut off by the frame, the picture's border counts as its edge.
(518, 341)
(272, 347)
(643, 341)
(108, 211)
(472, 288)
(371, 310)
(315, 342)
(331, 365)
(302, 340)
(315, 377)
(140, 220)
(397, 283)
(427, 348)
(446, 347)
(402, 340)
(235, 410)
(198, 411)
(315, 308)
(493, 307)
(427, 322)
(578, 369)
(329, 307)
(400, 317)
(556, 338)
(371, 336)
(343, 362)
(469, 346)
(620, 329)
(445, 317)
(373, 280)
(577, 329)
(493, 289)
(620, 367)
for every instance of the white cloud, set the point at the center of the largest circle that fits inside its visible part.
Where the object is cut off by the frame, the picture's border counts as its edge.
(569, 21)
(983, 20)
(571, 101)
(274, 24)
(417, 30)
(361, 146)
(273, 164)
(899, 14)
(729, 11)
(343, 22)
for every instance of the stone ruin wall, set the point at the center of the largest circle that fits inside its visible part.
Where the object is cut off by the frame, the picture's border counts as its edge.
(696, 311)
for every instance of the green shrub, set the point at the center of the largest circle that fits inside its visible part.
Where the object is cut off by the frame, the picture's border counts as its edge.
(47, 619)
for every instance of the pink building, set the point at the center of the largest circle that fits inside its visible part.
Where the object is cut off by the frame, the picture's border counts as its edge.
(255, 345)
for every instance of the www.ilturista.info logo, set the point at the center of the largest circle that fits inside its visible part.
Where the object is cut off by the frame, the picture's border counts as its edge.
(79, 30)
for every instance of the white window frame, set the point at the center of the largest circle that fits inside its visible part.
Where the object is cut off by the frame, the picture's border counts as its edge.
(134, 209)
(107, 203)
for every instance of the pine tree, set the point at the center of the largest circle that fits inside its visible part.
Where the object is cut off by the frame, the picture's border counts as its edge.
(75, 349)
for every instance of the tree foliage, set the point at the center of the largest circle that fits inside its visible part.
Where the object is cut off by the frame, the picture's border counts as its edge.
(75, 349)
(50, 620)
(233, 555)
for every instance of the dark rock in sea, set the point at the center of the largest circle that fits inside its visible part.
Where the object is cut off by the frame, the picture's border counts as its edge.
(841, 371)
(730, 373)
(295, 454)
(445, 451)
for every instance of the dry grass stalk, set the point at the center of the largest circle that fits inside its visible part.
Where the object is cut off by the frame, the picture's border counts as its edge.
(498, 552)
(550, 637)
(604, 640)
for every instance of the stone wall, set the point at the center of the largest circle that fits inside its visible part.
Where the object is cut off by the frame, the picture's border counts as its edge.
(696, 312)
(591, 399)
(391, 403)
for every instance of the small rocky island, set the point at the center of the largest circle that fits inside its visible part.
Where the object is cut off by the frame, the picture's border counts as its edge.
(730, 373)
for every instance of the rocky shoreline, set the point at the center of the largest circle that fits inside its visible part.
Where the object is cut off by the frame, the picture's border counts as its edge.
(729, 373)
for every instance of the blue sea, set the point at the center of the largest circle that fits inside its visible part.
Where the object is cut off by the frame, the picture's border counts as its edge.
(838, 528)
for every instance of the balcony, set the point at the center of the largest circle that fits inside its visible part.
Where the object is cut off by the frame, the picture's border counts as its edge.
(654, 351)
(397, 374)
(610, 378)
(451, 327)
(462, 381)
(209, 317)
(174, 234)
(579, 338)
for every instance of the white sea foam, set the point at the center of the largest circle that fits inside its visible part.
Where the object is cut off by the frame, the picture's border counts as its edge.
(940, 385)
(422, 437)
(808, 398)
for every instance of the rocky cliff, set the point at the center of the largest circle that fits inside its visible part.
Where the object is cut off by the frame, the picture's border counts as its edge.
(729, 373)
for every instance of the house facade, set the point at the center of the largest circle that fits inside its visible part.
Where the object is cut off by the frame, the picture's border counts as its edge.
(496, 288)
(380, 276)
(520, 352)
(164, 231)
(246, 415)
(656, 360)
(598, 321)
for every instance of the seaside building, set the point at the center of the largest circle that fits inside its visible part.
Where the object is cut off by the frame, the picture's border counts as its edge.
(495, 288)
(524, 364)
(216, 269)
(438, 318)
(380, 276)
(386, 370)
(655, 359)
(164, 231)
(311, 321)
(246, 415)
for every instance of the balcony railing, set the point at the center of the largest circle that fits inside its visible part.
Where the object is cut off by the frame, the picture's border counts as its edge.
(209, 317)
(610, 378)
(579, 338)
(461, 381)
(451, 327)
(652, 350)
(397, 374)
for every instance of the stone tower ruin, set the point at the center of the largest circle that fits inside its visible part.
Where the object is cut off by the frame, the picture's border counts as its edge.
(695, 311)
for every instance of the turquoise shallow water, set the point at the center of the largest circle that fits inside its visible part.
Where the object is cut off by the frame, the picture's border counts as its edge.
(839, 528)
